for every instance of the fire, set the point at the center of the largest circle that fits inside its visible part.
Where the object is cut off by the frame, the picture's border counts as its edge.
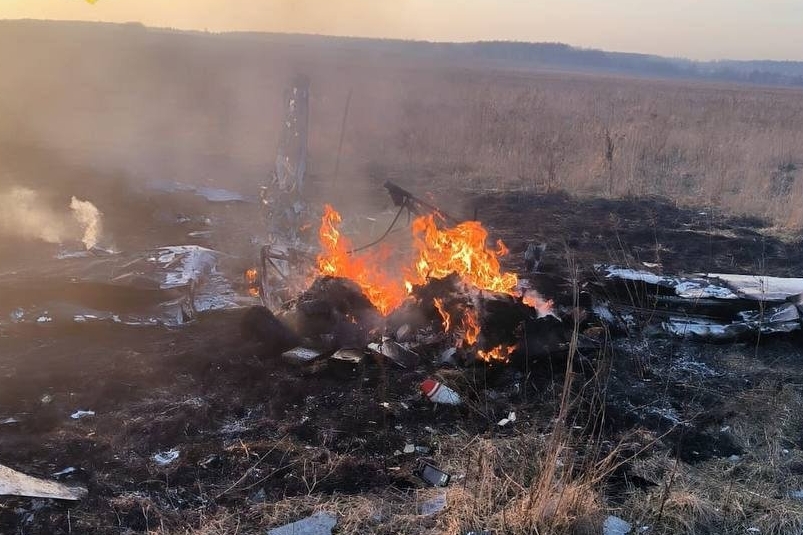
(335, 260)
(447, 319)
(534, 300)
(252, 280)
(438, 252)
(461, 250)
(471, 327)
(499, 353)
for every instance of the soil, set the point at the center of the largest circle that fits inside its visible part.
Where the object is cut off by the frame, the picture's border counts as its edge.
(251, 427)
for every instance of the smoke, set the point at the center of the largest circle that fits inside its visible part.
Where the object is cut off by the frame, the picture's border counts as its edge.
(88, 217)
(25, 214)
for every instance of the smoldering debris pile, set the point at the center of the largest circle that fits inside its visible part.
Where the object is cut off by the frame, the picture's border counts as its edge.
(443, 322)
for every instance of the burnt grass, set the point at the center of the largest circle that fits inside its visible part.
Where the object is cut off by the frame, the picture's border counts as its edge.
(253, 429)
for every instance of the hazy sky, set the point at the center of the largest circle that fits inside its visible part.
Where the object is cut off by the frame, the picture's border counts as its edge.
(699, 29)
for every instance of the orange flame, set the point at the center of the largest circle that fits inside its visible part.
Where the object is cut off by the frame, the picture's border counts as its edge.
(335, 260)
(252, 280)
(499, 353)
(461, 250)
(534, 300)
(439, 252)
(447, 319)
(471, 327)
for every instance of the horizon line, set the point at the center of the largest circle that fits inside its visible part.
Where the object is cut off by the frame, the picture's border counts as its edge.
(206, 31)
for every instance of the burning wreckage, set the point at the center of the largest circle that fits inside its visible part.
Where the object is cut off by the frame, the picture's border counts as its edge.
(454, 302)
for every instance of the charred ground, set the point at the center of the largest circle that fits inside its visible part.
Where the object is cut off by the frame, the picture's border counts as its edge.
(677, 436)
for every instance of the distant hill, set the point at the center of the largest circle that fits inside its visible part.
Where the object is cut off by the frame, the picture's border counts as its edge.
(553, 56)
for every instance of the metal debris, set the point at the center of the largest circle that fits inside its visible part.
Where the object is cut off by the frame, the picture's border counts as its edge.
(66, 471)
(433, 506)
(351, 356)
(439, 393)
(14, 483)
(614, 525)
(163, 458)
(320, 523)
(432, 474)
(511, 417)
(711, 307)
(395, 352)
(302, 355)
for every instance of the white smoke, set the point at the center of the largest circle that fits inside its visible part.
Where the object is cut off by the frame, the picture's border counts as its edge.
(25, 214)
(88, 217)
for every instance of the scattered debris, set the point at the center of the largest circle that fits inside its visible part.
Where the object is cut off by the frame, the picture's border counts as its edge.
(167, 285)
(302, 355)
(432, 474)
(614, 525)
(320, 523)
(433, 506)
(409, 448)
(351, 356)
(395, 352)
(447, 357)
(163, 458)
(200, 234)
(762, 288)
(13, 483)
(77, 415)
(439, 393)
(713, 307)
(66, 471)
(403, 333)
(210, 194)
(511, 417)
(532, 256)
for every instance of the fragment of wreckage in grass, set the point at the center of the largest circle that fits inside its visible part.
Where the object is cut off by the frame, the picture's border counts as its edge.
(712, 307)
(14, 483)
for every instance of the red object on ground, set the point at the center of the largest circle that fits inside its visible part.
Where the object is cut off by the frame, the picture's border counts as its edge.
(439, 393)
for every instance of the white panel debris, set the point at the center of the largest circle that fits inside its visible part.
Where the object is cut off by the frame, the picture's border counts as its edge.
(301, 355)
(318, 524)
(714, 307)
(167, 285)
(614, 525)
(13, 483)
(761, 288)
(163, 458)
(635, 275)
(433, 506)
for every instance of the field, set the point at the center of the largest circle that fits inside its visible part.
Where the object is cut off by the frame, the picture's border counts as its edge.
(673, 436)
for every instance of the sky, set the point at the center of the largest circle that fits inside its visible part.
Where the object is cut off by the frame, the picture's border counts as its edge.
(696, 29)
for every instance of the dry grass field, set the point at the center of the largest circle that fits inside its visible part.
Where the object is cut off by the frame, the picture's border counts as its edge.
(145, 105)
